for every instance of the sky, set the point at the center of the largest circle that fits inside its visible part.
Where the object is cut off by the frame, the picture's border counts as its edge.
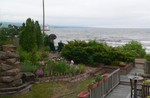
(88, 13)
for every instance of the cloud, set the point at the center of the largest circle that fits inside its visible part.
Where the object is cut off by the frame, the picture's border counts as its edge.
(108, 13)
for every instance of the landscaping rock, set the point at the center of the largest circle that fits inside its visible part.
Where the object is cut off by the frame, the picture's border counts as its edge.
(28, 77)
(5, 67)
(11, 61)
(6, 79)
(16, 82)
(3, 55)
(12, 54)
(17, 64)
(11, 48)
(12, 72)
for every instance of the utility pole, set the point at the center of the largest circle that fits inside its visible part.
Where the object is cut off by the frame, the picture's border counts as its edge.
(43, 17)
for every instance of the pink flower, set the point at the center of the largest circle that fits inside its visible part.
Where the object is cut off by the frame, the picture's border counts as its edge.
(39, 72)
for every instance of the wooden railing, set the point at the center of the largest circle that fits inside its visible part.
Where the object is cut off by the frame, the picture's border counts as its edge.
(106, 86)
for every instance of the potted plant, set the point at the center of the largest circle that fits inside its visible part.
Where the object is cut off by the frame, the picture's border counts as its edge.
(146, 82)
(147, 64)
(83, 94)
(122, 64)
(98, 79)
(92, 85)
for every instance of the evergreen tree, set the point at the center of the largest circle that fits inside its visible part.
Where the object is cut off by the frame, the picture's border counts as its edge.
(39, 36)
(28, 36)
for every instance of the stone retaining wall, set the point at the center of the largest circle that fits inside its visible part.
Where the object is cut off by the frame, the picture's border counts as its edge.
(10, 75)
(76, 78)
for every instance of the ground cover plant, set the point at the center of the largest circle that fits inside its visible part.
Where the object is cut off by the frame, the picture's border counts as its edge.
(95, 53)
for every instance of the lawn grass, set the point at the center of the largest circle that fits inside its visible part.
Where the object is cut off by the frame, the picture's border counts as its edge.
(54, 90)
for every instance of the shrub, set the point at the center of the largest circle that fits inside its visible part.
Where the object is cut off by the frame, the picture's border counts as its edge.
(136, 48)
(147, 57)
(81, 68)
(29, 67)
(44, 54)
(95, 53)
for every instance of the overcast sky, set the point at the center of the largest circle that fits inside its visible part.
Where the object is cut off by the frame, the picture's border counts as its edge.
(95, 13)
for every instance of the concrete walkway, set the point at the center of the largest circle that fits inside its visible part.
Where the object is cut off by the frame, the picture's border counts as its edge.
(123, 89)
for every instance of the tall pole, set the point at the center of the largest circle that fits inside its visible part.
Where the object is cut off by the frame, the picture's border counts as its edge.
(43, 17)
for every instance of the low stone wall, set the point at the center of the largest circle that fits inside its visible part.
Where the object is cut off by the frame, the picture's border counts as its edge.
(10, 75)
(125, 70)
(76, 78)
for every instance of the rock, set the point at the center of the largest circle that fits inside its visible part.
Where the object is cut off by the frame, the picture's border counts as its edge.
(4, 67)
(11, 48)
(28, 77)
(17, 64)
(11, 61)
(3, 55)
(16, 82)
(4, 85)
(6, 79)
(12, 54)
(12, 72)
(2, 61)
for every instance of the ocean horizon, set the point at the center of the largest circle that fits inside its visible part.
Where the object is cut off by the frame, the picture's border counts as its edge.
(112, 36)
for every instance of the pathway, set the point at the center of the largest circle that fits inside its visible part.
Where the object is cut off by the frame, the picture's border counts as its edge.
(123, 89)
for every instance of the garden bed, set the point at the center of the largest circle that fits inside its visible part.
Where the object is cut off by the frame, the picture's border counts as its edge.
(80, 77)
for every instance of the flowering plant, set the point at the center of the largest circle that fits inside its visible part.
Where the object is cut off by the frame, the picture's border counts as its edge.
(39, 72)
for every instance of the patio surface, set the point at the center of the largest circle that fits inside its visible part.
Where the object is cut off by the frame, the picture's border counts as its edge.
(123, 89)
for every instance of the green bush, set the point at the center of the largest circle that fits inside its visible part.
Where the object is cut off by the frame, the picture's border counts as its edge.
(95, 53)
(28, 67)
(147, 57)
(33, 56)
(136, 48)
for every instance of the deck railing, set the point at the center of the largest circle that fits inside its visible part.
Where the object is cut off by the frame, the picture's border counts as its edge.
(106, 86)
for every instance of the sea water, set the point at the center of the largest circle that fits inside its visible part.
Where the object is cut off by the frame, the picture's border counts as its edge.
(112, 36)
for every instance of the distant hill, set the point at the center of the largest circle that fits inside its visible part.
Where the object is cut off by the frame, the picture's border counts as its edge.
(5, 24)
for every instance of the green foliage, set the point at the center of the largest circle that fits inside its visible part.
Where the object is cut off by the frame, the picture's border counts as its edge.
(81, 68)
(31, 37)
(51, 45)
(44, 54)
(33, 56)
(98, 78)
(46, 40)
(29, 67)
(59, 68)
(147, 57)
(3, 37)
(60, 46)
(135, 47)
(95, 53)
(28, 36)
(39, 36)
